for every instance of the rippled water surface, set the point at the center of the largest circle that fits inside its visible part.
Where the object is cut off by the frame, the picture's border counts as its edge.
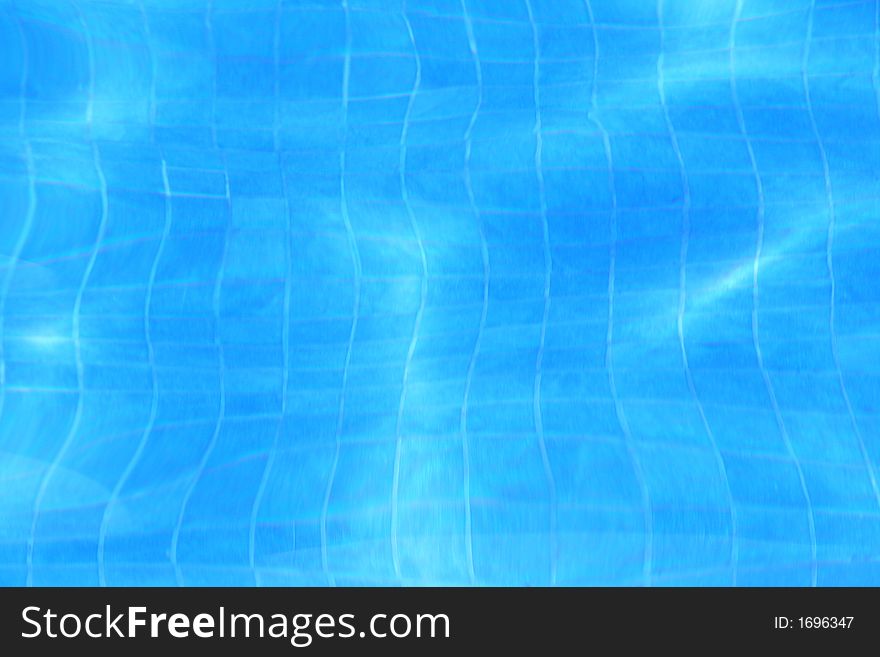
(517, 292)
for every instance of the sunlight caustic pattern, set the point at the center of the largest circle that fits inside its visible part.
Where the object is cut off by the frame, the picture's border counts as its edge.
(512, 292)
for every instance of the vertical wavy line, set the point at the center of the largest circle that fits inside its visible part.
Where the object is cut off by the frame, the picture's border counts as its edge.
(484, 254)
(285, 330)
(77, 308)
(648, 560)
(423, 295)
(682, 283)
(829, 258)
(548, 274)
(153, 69)
(154, 405)
(356, 303)
(759, 247)
(221, 405)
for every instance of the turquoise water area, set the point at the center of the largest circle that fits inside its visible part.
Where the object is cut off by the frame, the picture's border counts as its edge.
(447, 292)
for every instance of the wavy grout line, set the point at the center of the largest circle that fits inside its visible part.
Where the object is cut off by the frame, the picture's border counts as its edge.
(829, 258)
(759, 247)
(356, 304)
(648, 561)
(484, 254)
(548, 273)
(404, 193)
(154, 405)
(285, 330)
(682, 301)
(48, 475)
(80, 370)
(153, 69)
(30, 213)
(221, 408)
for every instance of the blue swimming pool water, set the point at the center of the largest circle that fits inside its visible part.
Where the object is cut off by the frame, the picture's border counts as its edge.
(516, 292)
